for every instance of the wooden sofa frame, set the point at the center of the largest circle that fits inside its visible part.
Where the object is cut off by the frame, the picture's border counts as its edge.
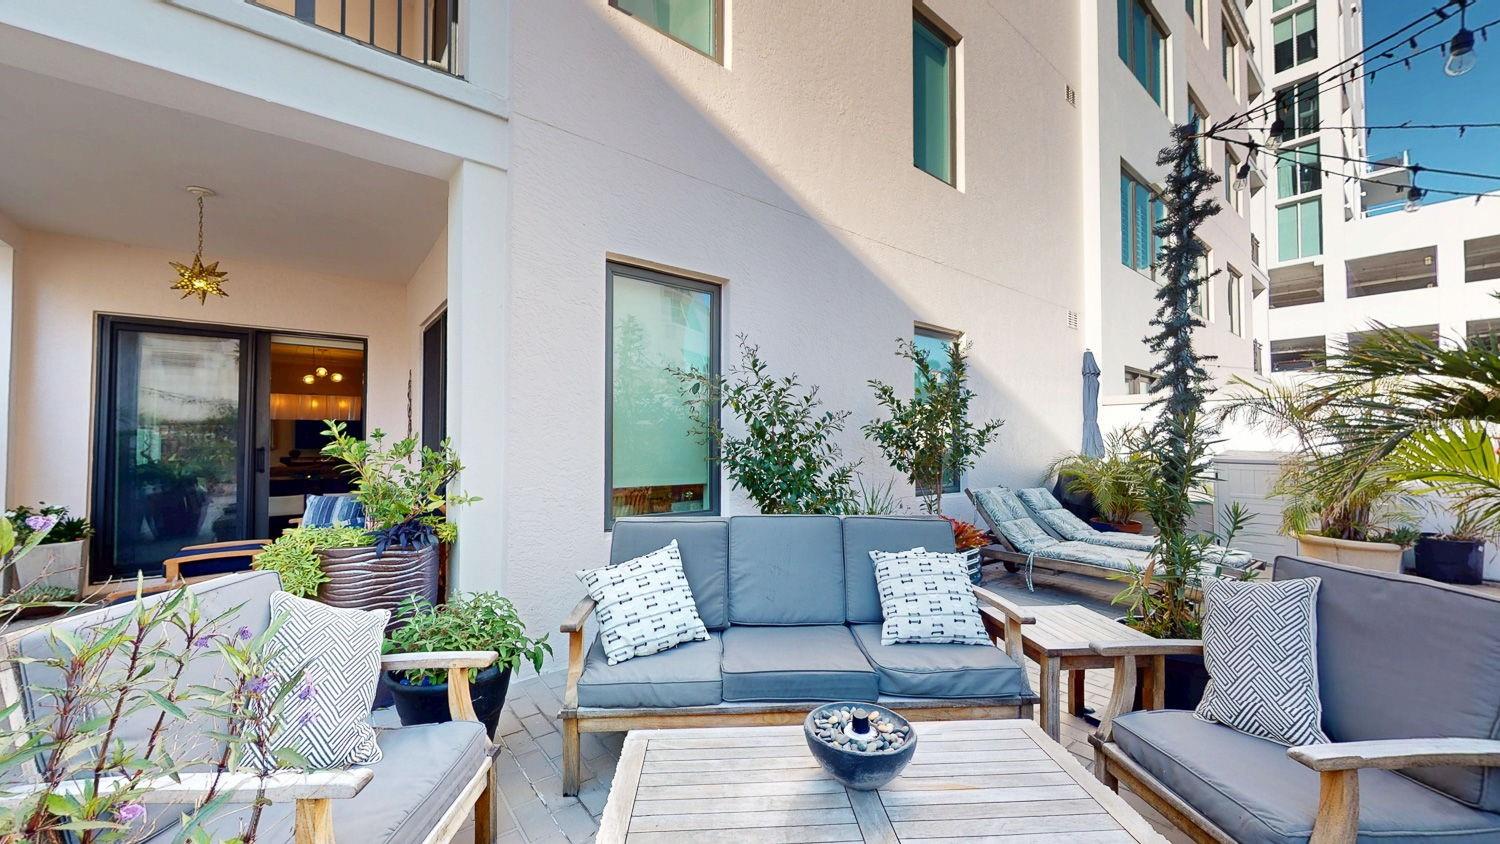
(1338, 764)
(1002, 620)
(314, 791)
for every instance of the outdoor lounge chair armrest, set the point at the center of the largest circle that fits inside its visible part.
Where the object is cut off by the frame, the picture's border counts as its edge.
(1390, 754)
(579, 615)
(1011, 611)
(1136, 647)
(279, 787)
(438, 659)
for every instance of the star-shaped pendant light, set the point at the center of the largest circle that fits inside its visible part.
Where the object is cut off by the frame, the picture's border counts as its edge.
(199, 279)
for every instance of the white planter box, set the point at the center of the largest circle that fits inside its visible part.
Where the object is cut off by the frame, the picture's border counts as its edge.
(56, 564)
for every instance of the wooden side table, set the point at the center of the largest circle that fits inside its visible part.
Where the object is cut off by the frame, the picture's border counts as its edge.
(1059, 641)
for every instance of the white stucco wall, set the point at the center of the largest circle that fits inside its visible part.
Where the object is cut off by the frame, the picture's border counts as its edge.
(786, 171)
(64, 283)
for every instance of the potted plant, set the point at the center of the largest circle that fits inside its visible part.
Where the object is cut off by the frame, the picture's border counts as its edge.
(1113, 480)
(406, 490)
(481, 621)
(297, 555)
(930, 435)
(57, 560)
(1456, 556)
(968, 538)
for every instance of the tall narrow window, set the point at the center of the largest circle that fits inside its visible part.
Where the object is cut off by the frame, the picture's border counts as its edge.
(1229, 59)
(1298, 171)
(1203, 300)
(695, 23)
(934, 344)
(1297, 108)
(1295, 38)
(932, 99)
(1142, 46)
(1236, 303)
(1198, 118)
(1139, 212)
(655, 460)
(1299, 230)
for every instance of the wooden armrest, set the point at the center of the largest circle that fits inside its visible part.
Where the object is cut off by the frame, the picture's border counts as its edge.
(1398, 753)
(1139, 647)
(438, 659)
(242, 787)
(580, 614)
(210, 546)
(1014, 612)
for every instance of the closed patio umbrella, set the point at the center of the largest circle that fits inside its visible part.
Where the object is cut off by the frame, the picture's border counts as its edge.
(1093, 441)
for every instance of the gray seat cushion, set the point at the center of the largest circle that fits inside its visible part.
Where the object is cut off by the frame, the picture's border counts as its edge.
(863, 534)
(940, 671)
(1394, 639)
(685, 675)
(795, 663)
(786, 570)
(704, 546)
(1249, 788)
(420, 774)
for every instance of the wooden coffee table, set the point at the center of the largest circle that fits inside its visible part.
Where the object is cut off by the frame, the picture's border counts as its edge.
(967, 780)
(1059, 641)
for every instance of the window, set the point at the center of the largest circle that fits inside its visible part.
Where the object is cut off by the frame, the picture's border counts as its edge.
(1393, 272)
(1236, 303)
(1228, 58)
(1198, 119)
(1298, 354)
(1295, 38)
(655, 461)
(934, 343)
(1232, 194)
(1192, 8)
(1298, 171)
(1297, 108)
(1203, 299)
(1482, 258)
(932, 99)
(1138, 382)
(1142, 43)
(1299, 230)
(695, 23)
(1139, 211)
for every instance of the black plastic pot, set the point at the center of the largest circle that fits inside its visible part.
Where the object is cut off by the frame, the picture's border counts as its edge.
(429, 704)
(1450, 560)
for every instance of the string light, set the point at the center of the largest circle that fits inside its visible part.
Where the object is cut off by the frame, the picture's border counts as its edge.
(1461, 58)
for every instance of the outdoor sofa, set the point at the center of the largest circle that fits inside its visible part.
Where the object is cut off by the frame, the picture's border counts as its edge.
(794, 618)
(430, 777)
(1409, 680)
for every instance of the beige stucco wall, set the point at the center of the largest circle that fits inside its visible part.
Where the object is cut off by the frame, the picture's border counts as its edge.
(62, 285)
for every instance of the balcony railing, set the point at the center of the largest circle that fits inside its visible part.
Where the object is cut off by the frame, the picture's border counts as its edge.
(420, 31)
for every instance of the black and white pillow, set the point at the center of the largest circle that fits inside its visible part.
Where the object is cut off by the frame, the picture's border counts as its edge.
(927, 597)
(1260, 646)
(325, 716)
(645, 605)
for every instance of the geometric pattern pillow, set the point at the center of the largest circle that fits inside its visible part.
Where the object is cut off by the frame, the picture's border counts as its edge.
(644, 605)
(325, 718)
(1260, 646)
(927, 597)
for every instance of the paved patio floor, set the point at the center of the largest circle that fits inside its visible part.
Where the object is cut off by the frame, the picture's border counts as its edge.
(533, 808)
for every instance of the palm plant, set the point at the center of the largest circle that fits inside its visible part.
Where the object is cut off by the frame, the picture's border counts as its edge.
(1116, 480)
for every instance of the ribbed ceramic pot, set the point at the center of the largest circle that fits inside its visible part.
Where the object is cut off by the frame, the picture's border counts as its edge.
(357, 579)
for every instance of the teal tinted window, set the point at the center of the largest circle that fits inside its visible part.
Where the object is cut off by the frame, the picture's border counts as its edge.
(932, 100)
(1299, 230)
(657, 462)
(1141, 41)
(1140, 210)
(693, 22)
(1298, 171)
(934, 345)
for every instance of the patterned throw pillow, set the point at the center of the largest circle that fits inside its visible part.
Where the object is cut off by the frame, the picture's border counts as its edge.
(326, 718)
(645, 605)
(927, 597)
(1260, 648)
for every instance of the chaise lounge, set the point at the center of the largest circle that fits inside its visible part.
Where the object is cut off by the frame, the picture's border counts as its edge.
(1057, 520)
(794, 618)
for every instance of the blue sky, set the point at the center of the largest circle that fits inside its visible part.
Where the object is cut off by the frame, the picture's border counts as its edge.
(1425, 95)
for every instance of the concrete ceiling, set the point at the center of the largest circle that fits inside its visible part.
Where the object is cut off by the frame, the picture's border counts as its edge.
(80, 161)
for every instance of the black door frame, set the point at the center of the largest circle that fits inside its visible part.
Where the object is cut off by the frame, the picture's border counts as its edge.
(253, 424)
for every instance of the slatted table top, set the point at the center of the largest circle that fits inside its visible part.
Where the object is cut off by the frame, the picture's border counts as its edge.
(1067, 629)
(972, 781)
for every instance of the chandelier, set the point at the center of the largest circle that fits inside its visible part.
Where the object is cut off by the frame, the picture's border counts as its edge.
(321, 371)
(199, 279)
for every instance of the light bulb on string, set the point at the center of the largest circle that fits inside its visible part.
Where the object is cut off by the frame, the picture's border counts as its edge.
(1461, 58)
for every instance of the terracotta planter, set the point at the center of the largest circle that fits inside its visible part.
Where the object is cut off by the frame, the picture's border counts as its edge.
(1375, 556)
(1131, 526)
(357, 579)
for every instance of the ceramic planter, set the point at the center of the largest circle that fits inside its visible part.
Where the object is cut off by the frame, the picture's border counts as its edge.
(429, 704)
(54, 564)
(358, 579)
(1375, 556)
(1131, 526)
(1451, 560)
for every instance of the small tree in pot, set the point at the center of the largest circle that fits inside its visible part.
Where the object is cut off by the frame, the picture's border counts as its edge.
(481, 621)
(1114, 480)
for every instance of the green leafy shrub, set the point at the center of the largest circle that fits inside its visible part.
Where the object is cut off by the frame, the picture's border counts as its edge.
(294, 556)
(66, 529)
(479, 621)
(1115, 480)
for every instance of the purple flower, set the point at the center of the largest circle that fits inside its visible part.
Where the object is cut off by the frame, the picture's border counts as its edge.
(306, 692)
(41, 523)
(203, 642)
(130, 812)
(259, 685)
(244, 634)
(306, 718)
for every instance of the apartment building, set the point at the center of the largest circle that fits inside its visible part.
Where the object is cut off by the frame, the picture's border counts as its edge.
(1149, 65)
(1344, 254)
(499, 222)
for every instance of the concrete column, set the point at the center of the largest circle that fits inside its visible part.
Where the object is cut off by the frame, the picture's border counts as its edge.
(478, 310)
(1451, 294)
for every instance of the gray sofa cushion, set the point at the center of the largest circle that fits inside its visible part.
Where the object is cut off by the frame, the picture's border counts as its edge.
(686, 675)
(863, 534)
(422, 771)
(786, 570)
(940, 671)
(704, 546)
(1429, 653)
(795, 663)
(1250, 789)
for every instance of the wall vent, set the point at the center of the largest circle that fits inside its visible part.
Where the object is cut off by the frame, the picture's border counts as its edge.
(1072, 97)
(1073, 320)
